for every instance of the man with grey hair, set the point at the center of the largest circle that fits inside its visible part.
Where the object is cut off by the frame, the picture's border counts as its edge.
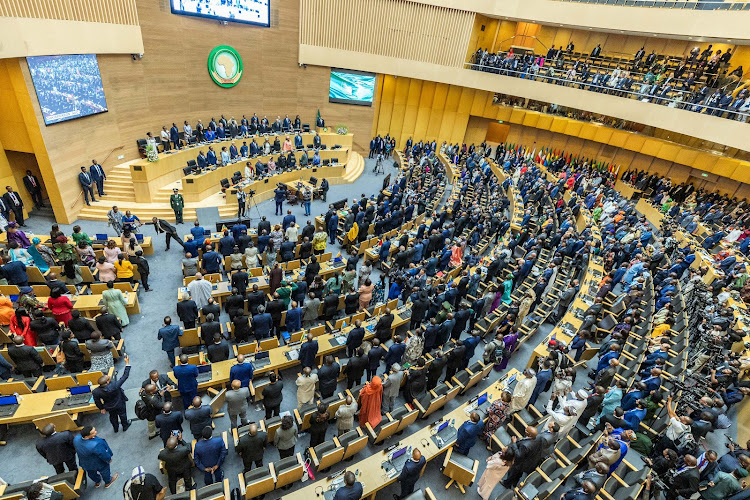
(391, 387)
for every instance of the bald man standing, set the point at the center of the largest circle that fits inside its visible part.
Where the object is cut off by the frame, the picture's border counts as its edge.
(251, 447)
(410, 473)
(110, 398)
(237, 399)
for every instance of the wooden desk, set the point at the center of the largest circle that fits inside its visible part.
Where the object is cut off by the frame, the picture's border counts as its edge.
(196, 187)
(146, 244)
(42, 404)
(279, 359)
(150, 177)
(372, 476)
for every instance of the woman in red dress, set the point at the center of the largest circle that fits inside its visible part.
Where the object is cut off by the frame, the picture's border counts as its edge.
(60, 305)
(19, 325)
(370, 398)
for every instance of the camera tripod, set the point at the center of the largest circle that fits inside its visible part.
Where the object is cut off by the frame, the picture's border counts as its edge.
(250, 202)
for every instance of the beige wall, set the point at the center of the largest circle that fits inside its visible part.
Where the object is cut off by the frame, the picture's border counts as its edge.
(48, 27)
(171, 84)
(653, 22)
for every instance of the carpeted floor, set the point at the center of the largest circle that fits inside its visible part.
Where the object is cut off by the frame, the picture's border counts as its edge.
(133, 448)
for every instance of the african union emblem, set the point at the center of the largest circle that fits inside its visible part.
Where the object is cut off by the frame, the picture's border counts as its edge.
(225, 66)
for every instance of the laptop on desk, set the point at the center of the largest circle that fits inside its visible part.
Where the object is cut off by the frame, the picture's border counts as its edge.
(204, 373)
(261, 360)
(8, 405)
(101, 239)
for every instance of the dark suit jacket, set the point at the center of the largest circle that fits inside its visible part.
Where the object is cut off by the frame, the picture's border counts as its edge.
(685, 482)
(307, 353)
(168, 422)
(187, 311)
(25, 357)
(82, 178)
(176, 461)
(112, 397)
(109, 325)
(57, 448)
(9, 202)
(328, 377)
(251, 448)
(29, 186)
(218, 352)
(199, 418)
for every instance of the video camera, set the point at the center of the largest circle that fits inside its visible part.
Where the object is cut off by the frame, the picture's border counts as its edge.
(251, 193)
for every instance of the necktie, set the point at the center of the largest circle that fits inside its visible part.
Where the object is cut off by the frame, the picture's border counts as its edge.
(13, 197)
(33, 182)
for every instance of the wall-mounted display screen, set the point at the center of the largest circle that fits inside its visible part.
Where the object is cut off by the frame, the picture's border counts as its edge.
(351, 87)
(256, 12)
(68, 87)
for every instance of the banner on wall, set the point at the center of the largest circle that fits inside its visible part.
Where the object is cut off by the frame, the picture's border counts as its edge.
(225, 66)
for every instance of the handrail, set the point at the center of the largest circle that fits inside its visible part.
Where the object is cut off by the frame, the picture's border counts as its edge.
(676, 103)
(671, 4)
(80, 192)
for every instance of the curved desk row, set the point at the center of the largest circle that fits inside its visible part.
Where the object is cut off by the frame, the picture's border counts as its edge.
(150, 177)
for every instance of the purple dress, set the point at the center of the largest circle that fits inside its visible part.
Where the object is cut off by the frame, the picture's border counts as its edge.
(19, 237)
(496, 300)
(510, 345)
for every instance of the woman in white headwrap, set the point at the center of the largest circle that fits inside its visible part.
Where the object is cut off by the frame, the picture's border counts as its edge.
(143, 485)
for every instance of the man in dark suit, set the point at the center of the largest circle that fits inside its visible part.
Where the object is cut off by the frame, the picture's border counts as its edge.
(383, 326)
(162, 382)
(187, 311)
(98, 176)
(110, 398)
(395, 352)
(177, 463)
(410, 473)
(34, 187)
(328, 376)
(354, 338)
(585, 492)
(57, 448)
(87, 184)
(187, 380)
(14, 202)
(199, 416)
(352, 489)
(251, 447)
(108, 324)
(355, 368)
(170, 231)
(240, 280)
(219, 350)
(455, 360)
(542, 378)
(685, 481)
(168, 421)
(28, 362)
(308, 351)
(435, 370)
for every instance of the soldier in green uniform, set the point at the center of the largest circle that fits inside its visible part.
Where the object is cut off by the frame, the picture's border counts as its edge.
(177, 203)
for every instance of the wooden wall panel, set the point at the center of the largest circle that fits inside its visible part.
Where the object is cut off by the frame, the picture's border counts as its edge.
(395, 28)
(171, 84)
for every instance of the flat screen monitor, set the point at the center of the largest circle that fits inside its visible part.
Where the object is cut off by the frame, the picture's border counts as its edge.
(257, 12)
(204, 368)
(351, 87)
(68, 86)
(398, 453)
(482, 399)
(80, 389)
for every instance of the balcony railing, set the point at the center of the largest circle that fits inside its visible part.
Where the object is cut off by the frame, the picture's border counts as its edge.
(647, 93)
(671, 4)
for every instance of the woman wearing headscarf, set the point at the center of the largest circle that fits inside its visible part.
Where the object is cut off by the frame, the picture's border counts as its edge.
(511, 341)
(507, 289)
(6, 310)
(42, 255)
(524, 308)
(351, 236)
(370, 399)
(18, 253)
(414, 347)
(143, 485)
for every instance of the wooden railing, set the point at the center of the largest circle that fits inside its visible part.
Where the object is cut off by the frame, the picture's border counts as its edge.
(94, 11)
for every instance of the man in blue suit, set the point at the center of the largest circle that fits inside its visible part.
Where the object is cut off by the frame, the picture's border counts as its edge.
(468, 434)
(209, 455)
(395, 352)
(87, 184)
(211, 156)
(410, 473)
(332, 228)
(98, 175)
(94, 456)
(242, 371)
(174, 136)
(201, 160)
(187, 380)
(352, 489)
(110, 398)
(542, 378)
(289, 218)
(262, 323)
(308, 351)
(278, 196)
(169, 335)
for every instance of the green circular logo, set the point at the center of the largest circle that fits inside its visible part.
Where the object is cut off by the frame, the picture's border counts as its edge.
(225, 66)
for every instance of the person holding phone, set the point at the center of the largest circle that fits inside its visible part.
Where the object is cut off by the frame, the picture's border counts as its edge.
(169, 423)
